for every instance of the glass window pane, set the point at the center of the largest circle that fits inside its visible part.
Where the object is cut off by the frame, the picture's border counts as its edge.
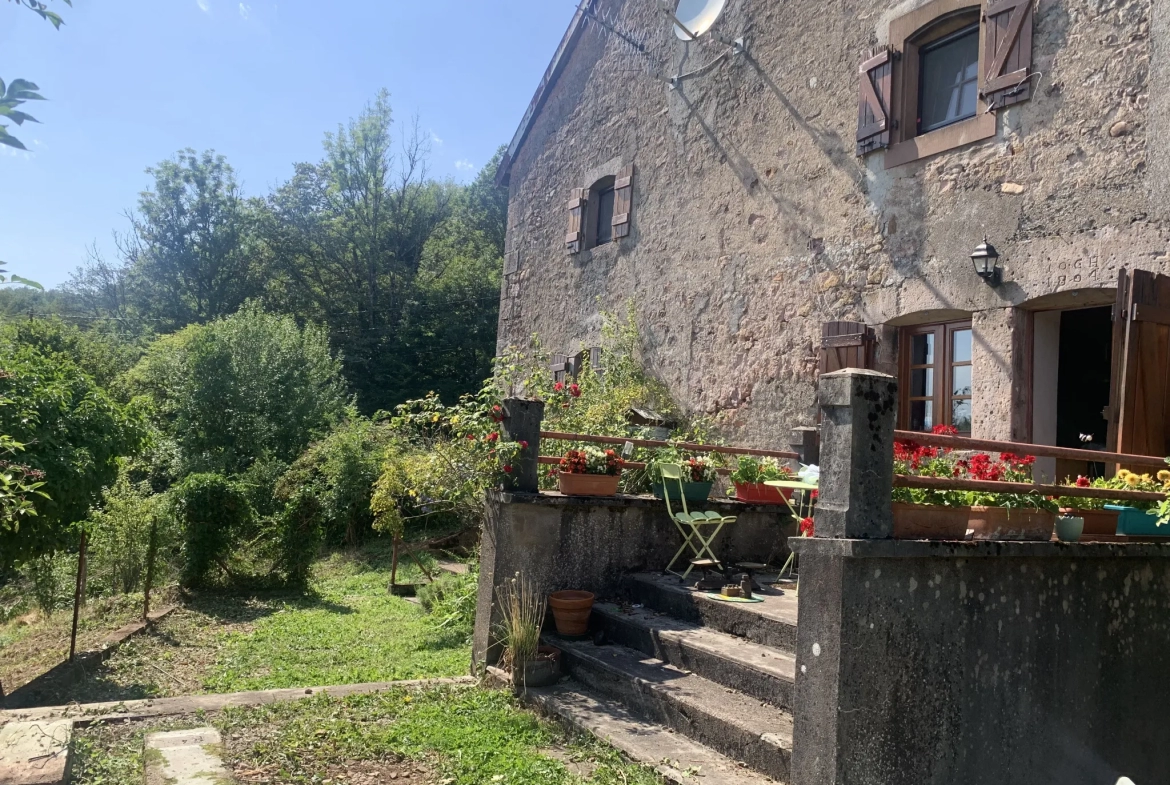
(962, 346)
(921, 415)
(605, 216)
(922, 349)
(961, 380)
(921, 382)
(961, 415)
(949, 79)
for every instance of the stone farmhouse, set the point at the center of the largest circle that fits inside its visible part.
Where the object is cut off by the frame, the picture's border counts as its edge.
(801, 188)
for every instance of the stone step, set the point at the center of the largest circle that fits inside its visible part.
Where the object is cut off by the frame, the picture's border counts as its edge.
(751, 668)
(678, 759)
(729, 722)
(36, 753)
(186, 757)
(770, 623)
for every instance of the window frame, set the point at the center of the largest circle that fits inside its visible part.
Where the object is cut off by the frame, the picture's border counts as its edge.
(909, 35)
(923, 51)
(593, 211)
(942, 396)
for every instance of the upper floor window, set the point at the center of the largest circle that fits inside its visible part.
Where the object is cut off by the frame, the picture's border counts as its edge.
(949, 66)
(603, 221)
(948, 86)
(935, 378)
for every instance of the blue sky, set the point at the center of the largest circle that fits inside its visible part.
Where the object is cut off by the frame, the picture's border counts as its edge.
(258, 81)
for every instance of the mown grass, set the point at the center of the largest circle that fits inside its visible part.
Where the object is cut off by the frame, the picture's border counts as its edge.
(347, 628)
(457, 735)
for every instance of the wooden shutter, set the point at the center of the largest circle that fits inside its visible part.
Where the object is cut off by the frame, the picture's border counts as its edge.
(1007, 52)
(595, 361)
(873, 105)
(623, 201)
(577, 203)
(559, 367)
(846, 345)
(1139, 409)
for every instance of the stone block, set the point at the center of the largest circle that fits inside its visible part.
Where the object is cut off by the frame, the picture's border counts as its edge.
(35, 753)
(186, 757)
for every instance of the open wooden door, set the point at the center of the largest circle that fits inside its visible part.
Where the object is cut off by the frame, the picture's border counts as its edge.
(1139, 408)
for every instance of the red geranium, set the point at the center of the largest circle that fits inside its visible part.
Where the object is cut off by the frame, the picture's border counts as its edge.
(493, 436)
(574, 391)
(806, 527)
(559, 387)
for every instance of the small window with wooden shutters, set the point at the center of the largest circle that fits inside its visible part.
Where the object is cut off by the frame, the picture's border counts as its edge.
(935, 378)
(603, 221)
(949, 67)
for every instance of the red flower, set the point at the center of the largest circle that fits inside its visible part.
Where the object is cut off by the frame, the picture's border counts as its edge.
(493, 436)
(507, 470)
(471, 437)
(523, 445)
(497, 413)
(559, 386)
(574, 391)
(806, 527)
(815, 494)
(1083, 482)
(945, 430)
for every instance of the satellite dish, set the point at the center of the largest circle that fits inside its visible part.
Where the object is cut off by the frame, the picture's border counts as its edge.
(695, 17)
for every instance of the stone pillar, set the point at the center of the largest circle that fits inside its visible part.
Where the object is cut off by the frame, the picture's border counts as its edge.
(522, 418)
(858, 409)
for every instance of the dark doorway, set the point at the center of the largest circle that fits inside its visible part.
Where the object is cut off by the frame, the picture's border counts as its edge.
(1082, 393)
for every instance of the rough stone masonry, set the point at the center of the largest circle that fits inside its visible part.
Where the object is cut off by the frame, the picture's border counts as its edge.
(753, 222)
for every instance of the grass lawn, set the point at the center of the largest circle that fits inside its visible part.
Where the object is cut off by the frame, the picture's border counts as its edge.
(347, 629)
(434, 736)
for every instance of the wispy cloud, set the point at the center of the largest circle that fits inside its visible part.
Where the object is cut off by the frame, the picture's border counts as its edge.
(245, 11)
(435, 139)
(204, 6)
(464, 165)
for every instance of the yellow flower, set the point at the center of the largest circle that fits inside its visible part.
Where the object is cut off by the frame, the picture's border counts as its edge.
(1131, 479)
(455, 420)
(1122, 473)
(1147, 479)
(435, 418)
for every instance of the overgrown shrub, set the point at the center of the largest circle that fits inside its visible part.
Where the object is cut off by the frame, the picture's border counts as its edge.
(299, 534)
(119, 538)
(451, 601)
(53, 579)
(212, 512)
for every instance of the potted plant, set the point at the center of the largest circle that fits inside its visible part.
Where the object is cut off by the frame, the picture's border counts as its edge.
(750, 475)
(699, 475)
(589, 472)
(1007, 516)
(1098, 520)
(522, 615)
(1143, 519)
(927, 514)
(1069, 528)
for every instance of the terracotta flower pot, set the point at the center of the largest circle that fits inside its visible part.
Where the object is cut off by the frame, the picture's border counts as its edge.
(1097, 522)
(758, 493)
(571, 610)
(588, 484)
(1011, 523)
(930, 522)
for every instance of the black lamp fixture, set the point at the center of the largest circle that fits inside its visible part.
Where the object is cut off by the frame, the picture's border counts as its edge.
(986, 261)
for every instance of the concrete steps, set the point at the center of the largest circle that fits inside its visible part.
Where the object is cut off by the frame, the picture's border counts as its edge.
(677, 758)
(728, 722)
(770, 623)
(760, 671)
(36, 753)
(185, 757)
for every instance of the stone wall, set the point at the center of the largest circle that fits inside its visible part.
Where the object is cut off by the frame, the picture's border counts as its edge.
(753, 222)
(560, 542)
(981, 663)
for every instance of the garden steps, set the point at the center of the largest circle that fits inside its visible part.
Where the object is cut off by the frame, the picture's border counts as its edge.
(738, 726)
(186, 757)
(676, 757)
(762, 672)
(36, 753)
(769, 623)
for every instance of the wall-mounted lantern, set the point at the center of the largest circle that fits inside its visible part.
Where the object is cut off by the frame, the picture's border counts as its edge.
(986, 261)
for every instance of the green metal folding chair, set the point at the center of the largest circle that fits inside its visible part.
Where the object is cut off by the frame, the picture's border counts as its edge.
(691, 524)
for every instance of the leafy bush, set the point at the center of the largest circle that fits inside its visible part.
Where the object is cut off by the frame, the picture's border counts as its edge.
(300, 535)
(212, 511)
(73, 432)
(451, 601)
(53, 578)
(253, 385)
(119, 539)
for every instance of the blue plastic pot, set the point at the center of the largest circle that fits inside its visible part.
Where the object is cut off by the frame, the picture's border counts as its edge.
(1133, 522)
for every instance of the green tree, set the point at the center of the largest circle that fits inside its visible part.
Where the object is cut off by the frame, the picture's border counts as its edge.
(250, 386)
(20, 91)
(103, 354)
(189, 252)
(73, 433)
